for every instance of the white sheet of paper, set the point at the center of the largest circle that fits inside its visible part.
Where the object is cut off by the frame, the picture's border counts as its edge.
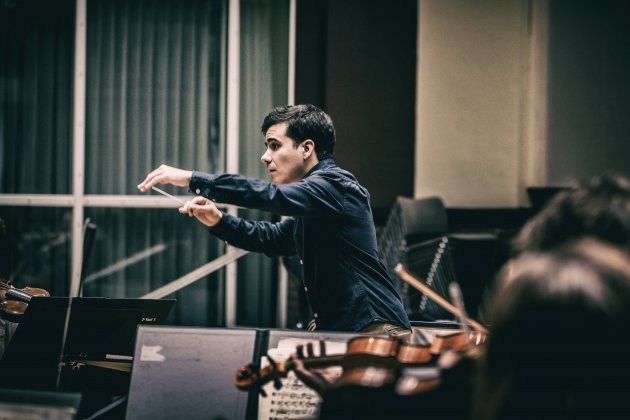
(294, 400)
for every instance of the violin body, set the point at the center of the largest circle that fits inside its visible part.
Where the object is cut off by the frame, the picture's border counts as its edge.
(14, 301)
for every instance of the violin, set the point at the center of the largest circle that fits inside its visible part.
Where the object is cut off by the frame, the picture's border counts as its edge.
(384, 353)
(439, 385)
(445, 353)
(14, 301)
(380, 373)
(462, 341)
(361, 351)
(373, 359)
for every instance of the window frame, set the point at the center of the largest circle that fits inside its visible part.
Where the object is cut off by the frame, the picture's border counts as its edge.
(78, 200)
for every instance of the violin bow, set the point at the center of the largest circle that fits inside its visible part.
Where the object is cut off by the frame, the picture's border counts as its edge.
(436, 297)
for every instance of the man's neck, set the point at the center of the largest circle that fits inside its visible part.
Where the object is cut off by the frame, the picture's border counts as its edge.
(310, 164)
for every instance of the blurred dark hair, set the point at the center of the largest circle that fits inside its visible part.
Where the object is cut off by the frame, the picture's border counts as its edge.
(554, 347)
(599, 208)
(305, 122)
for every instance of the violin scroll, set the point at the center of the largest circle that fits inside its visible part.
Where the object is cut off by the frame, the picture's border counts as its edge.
(252, 376)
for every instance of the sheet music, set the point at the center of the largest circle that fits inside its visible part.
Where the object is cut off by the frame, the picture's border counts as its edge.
(294, 400)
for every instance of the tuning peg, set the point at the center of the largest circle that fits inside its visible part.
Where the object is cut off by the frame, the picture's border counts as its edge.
(262, 392)
(244, 373)
(277, 384)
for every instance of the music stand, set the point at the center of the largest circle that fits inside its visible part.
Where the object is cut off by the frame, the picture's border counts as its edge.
(99, 330)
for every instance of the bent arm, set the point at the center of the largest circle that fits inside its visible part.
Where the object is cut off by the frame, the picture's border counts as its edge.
(273, 239)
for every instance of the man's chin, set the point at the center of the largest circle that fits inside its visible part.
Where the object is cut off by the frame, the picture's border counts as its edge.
(279, 180)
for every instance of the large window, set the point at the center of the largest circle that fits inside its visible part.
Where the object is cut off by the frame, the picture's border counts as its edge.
(155, 92)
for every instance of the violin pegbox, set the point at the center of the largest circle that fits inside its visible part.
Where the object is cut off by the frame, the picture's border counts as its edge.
(253, 376)
(247, 376)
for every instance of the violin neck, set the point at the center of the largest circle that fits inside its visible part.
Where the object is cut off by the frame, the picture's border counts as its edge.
(282, 368)
(322, 361)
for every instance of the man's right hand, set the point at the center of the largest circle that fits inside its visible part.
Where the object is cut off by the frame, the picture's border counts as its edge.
(166, 175)
(203, 209)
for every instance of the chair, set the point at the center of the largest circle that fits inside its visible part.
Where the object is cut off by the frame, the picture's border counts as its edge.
(417, 234)
(411, 221)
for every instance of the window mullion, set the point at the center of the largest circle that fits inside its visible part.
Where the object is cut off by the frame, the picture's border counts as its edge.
(232, 139)
(78, 143)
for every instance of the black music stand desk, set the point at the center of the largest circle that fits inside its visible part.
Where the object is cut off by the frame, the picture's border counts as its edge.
(100, 330)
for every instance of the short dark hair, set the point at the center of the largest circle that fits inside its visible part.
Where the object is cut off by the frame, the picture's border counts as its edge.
(305, 122)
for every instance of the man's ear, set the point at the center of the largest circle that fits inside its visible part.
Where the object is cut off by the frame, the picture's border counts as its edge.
(309, 148)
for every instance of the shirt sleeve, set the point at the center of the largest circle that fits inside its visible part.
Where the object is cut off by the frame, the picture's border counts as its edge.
(318, 194)
(273, 239)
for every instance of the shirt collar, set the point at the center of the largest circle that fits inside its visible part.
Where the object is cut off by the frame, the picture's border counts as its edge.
(324, 163)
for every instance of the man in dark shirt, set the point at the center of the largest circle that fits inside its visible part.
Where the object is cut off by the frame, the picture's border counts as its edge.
(329, 223)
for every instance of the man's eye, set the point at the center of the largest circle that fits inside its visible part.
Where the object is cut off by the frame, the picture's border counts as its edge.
(273, 146)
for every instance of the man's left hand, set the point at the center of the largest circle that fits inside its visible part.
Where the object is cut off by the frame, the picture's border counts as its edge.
(165, 174)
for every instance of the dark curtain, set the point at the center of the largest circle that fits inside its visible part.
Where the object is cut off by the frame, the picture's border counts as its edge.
(36, 56)
(264, 67)
(153, 96)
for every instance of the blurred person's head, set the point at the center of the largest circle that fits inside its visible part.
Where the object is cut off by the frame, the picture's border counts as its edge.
(558, 321)
(599, 208)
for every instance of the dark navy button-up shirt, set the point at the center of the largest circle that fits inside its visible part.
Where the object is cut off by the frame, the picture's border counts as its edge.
(330, 226)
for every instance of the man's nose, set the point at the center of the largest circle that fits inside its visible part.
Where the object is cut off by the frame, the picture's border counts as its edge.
(265, 158)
